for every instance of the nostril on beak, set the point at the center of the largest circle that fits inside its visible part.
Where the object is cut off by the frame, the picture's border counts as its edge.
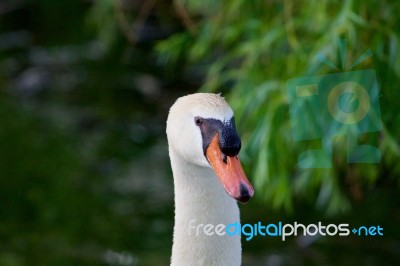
(224, 158)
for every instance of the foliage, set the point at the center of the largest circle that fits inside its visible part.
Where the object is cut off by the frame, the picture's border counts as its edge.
(74, 125)
(251, 48)
(85, 91)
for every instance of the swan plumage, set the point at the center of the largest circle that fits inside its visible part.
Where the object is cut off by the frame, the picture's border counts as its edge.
(208, 179)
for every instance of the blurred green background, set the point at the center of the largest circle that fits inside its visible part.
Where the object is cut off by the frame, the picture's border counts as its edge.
(85, 88)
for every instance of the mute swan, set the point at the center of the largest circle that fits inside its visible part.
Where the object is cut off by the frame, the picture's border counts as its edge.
(208, 179)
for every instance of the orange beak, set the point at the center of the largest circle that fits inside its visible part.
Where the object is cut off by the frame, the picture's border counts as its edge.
(229, 172)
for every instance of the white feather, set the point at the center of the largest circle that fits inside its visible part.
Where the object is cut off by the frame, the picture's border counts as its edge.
(199, 195)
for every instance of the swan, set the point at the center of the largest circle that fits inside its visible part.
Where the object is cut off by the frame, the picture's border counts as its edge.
(208, 180)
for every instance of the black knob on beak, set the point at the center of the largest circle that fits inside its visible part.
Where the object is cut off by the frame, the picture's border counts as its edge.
(229, 141)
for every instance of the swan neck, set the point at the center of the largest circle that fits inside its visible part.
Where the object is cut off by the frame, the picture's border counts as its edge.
(200, 199)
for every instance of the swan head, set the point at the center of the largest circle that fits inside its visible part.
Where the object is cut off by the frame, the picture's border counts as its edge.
(201, 130)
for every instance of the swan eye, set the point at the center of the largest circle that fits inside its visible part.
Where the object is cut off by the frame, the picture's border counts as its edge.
(198, 121)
